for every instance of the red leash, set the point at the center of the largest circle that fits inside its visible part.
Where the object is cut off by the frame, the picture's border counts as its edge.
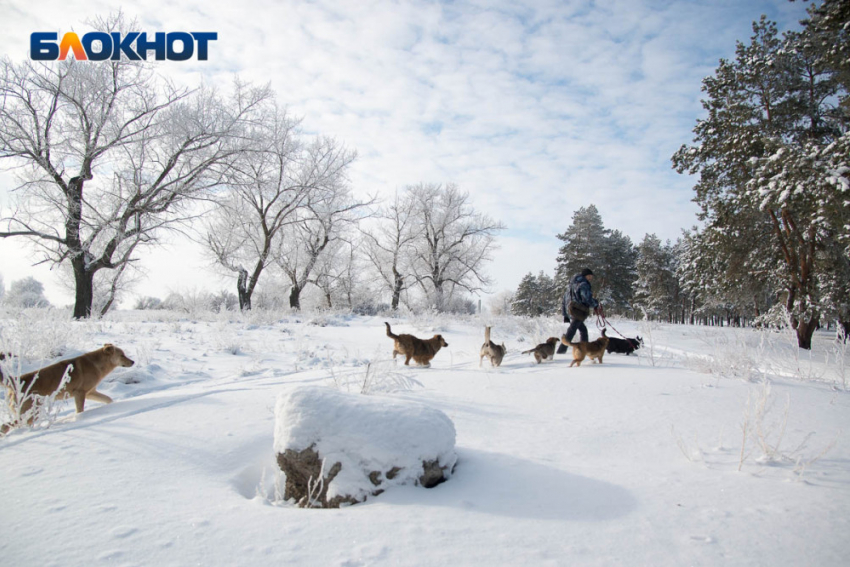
(602, 322)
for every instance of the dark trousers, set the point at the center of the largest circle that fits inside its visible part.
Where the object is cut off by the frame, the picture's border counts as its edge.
(576, 325)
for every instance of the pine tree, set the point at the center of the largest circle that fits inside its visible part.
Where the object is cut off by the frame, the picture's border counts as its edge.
(620, 269)
(536, 296)
(772, 176)
(656, 290)
(609, 254)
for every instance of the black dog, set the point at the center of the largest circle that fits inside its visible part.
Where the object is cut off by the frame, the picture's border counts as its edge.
(623, 346)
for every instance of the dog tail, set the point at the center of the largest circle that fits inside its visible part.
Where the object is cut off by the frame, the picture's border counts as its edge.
(389, 331)
(486, 335)
(564, 341)
(527, 351)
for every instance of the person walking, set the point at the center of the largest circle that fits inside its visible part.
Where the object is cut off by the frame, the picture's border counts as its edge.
(576, 305)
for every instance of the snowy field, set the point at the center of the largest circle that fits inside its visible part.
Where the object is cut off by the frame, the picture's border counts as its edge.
(637, 461)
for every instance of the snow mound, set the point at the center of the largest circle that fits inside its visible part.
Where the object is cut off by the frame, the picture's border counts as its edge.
(376, 441)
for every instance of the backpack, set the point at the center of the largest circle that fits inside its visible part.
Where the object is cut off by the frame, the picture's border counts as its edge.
(577, 310)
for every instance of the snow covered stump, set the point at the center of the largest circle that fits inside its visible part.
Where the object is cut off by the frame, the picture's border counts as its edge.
(337, 448)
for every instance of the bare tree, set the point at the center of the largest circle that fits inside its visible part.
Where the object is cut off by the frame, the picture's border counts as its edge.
(325, 218)
(389, 245)
(109, 154)
(335, 270)
(455, 244)
(267, 185)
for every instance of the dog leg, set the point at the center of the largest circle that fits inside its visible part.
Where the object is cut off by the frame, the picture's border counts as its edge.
(407, 360)
(96, 396)
(80, 401)
(26, 407)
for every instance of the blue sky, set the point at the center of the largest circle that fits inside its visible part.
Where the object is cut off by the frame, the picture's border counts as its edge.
(535, 108)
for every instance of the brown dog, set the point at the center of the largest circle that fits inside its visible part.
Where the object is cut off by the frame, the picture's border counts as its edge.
(593, 349)
(544, 351)
(491, 350)
(87, 371)
(422, 351)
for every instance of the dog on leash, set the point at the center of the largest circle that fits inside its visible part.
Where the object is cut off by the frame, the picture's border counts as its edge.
(544, 351)
(623, 346)
(85, 372)
(491, 350)
(420, 350)
(593, 349)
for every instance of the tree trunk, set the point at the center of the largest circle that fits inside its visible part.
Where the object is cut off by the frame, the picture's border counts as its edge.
(84, 286)
(295, 298)
(83, 278)
(399, 283)
(242, 290)
(439, 297)
(846, 326)
(805, 330)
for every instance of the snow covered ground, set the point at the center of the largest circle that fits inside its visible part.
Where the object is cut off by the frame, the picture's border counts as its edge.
(632, 462)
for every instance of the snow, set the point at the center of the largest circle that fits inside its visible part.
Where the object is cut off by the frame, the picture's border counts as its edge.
(632, 462)
(363, 434)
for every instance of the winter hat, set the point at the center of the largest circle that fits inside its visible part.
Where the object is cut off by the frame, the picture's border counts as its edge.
(586, 272)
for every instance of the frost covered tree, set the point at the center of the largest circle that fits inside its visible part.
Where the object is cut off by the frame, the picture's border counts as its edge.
(390, 244)
(610, 254)
(536, 296)
(339, 274)
(584, 246)
(619, 267)
(265, 187)
(657, 293)
(323, 222)
(28, 292)
(772, 159)
(2, 288)
(454, 245)
(109, 154)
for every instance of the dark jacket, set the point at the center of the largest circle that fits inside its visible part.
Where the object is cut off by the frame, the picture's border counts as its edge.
(580, 292)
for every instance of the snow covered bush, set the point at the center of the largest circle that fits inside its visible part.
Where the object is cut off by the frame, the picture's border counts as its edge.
(376, 376)
(26, 293)
(734, 354)
(148, 303)
(39, 334)
(763, 432)
(26, 409)
(337, 448)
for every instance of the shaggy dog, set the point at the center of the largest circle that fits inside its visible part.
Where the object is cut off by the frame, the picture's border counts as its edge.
(422, 351)
(85, 373)
(544, 351)
(491, 350)
(593, 349)
(623, 346)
